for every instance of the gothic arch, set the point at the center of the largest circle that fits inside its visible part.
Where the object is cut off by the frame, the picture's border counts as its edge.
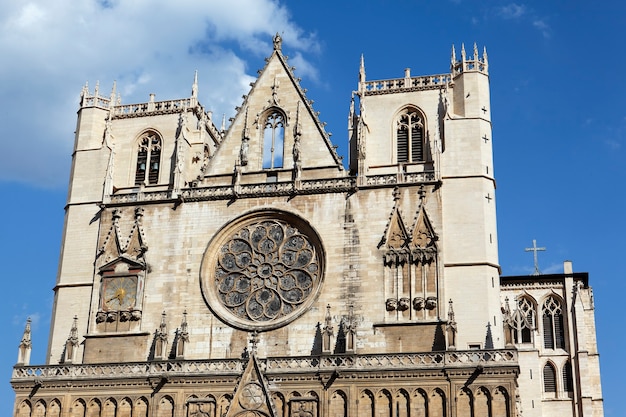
(419, 403)
(524, 318)
(500, 402)
(384, 404)
(125, 408)
(550, 381)
(140, 408)
(165, 407)
(94, 407)
(272, 124)
(338, 404)
(482, 402)
(110, 408)
(54, 408)
(553, 321)
(409, 132)
(401, 404)
(366, 404)
(24, 409)
(40, 409)
(279, 404)
(437, 404)
(78, 408)
(147, 157)
(465, 403)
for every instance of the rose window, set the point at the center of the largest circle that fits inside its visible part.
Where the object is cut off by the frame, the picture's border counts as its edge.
(265, 271)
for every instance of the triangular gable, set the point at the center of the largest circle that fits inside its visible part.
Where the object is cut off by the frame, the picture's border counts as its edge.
(252, 394)
(122, 264)
(305, 140)
(396, 235)
(423, 235)
(135, 247)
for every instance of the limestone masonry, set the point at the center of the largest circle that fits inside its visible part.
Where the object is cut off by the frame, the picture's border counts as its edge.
(243, 271)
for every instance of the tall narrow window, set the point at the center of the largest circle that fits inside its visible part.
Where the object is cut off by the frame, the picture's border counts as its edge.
(549, 378)
(524, 320)
(273, 141)
(568, 383)
(553, 328)
(410, 136)
(148, 159)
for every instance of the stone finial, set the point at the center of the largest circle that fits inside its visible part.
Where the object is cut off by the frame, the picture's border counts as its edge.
(113, 94)
(160, 347)
(476, 58)
(463, 55)
(327, 331)
(182, 338)
(452, 59)
(254, 342)
(194, 86)
(23, 356)
(451, 328)
(362, 70)
(278, 42)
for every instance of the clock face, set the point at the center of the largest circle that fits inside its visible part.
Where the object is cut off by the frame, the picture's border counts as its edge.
(120, 293)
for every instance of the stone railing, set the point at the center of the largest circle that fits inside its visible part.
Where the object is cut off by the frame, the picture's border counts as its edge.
(168, 106)
(224, 192)
(394, 85)
(378, 362)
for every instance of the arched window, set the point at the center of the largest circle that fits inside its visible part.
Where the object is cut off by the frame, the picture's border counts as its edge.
(524, 321)
(568, 383)
(549, 378)
(148, 159)
(410, 136)
(553, 328)
(273, 140)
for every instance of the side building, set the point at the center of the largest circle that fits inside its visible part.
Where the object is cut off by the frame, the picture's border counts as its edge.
(231, 272)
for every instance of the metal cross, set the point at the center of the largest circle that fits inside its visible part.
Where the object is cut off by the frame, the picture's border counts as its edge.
(489, 198)
(484, 109)
(485, 138)
(535, 249)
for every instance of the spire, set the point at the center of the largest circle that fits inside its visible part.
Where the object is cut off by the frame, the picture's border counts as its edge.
(463, 55)
(451, 327)
(23, 356)
(475, 52)
(223, 128)
(362, 70)
(194, 86)
(160, 343)
(182, 337)
(113, 94)
(452, 59)
(327, 331)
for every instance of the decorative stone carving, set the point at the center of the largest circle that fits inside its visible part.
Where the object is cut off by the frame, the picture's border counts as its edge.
(418, 303)
(404, 303)
(431, 303)
(391, 304)
(263, 271)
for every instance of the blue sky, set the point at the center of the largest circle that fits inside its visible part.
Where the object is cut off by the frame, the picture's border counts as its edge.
(557, 88)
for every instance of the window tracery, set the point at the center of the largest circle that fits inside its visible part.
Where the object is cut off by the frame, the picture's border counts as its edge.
(410, 136)
(273, 140)
(264, 271)
(553, 325)
(524, 321)
(148, 159)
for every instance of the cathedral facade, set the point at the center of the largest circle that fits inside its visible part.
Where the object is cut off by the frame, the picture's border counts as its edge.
(244, 271)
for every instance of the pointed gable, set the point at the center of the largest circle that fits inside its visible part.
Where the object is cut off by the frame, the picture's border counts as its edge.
(275, 127)
(252, 394)
(423, 241)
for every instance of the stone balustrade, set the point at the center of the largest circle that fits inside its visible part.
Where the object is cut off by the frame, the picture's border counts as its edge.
(375, 362)
(395, 85)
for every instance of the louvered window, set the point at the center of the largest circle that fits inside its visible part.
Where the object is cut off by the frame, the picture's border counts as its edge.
(549, 378)
(148, 159)
(410, 136)
(553, 324)
(568, 384)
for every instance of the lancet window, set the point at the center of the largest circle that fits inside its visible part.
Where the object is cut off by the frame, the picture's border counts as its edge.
(410, 136)
(524, 321)
(568, 383)
(148, 159)
(553, 325)
(549, 378)
(273, 140)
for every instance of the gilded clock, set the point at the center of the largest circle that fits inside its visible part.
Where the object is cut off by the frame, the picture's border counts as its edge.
(119, 293)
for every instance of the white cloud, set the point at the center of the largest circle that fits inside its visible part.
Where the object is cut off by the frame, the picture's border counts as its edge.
(49, 49)
(542, 26)
(512, 11)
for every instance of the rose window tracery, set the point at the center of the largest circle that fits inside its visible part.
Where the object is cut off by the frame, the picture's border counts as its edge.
(264, 271)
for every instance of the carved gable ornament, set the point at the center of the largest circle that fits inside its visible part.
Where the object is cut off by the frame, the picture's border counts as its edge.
(252, 398)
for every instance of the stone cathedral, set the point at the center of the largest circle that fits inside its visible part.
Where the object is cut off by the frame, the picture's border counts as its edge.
(244, 271)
